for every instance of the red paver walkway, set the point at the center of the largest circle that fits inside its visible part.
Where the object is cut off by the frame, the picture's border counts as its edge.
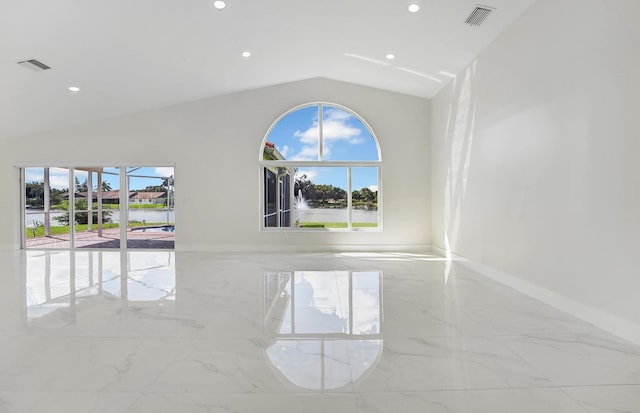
(110, 239)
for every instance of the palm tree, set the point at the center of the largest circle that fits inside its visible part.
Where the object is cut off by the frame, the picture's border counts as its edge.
(167, 182)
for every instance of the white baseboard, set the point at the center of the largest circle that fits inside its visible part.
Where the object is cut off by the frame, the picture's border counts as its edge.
(291, 248)
(410, 248)
(610, 323)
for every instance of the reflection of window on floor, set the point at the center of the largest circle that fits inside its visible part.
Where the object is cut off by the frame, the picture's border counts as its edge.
(320, 167)
(56, 282)
(326, 326)
(83, 207)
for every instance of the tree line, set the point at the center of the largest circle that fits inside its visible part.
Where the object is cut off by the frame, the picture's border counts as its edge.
(34, 191)
(318, 195)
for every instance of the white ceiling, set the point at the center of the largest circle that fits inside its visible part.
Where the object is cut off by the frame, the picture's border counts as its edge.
(133, 55)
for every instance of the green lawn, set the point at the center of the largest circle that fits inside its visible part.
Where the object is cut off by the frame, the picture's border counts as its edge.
(58, 230)
(115, 206)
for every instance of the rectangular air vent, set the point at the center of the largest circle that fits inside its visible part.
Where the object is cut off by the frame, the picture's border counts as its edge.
(33, 64)
(478, 15)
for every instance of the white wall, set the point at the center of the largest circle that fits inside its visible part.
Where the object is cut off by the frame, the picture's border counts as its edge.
(8, 200)
(535, 158)
(215, 144)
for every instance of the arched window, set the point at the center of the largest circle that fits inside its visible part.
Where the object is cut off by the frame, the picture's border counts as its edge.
(320, 168)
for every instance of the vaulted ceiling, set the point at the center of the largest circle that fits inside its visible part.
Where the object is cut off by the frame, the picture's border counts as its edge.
(127, 56)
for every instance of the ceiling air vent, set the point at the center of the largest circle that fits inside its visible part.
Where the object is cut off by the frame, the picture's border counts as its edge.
(33, 64)
(478, 15)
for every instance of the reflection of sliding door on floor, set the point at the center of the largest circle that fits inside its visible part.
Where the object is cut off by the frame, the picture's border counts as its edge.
(91, 207)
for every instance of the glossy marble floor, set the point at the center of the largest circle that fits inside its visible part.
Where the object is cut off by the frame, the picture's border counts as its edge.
(141, 331)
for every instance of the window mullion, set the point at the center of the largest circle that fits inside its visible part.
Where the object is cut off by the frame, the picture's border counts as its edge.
(349, 200)
(379, 198)
(292, 195)
(72, 208)
(320, 132)
(305, 164)
(23, 207)
(124, 207)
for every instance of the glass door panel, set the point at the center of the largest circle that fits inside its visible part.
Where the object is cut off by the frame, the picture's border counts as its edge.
(151, 220)
(46, 207)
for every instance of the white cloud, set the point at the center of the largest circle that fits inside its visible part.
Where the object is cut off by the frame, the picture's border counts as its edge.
(284, 151)
(336, 114)
(372, 188)
(164, 171)
(334, 127)
(58, 171)
(58, 177)
(33, 176)
(308, 153)
(310, 136)
(81, 175)
(339, 130)
(59, 182)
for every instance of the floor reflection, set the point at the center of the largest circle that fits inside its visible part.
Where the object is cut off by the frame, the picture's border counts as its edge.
(318, 330)
(190, 331)
(65, 279)
(325, 326)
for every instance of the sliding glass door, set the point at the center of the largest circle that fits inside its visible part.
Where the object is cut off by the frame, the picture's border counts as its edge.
(97, 207)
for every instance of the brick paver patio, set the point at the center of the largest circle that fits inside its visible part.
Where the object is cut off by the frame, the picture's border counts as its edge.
(110, 239)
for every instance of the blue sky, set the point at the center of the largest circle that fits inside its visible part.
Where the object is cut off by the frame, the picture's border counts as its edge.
(344, 138)
(59, 177)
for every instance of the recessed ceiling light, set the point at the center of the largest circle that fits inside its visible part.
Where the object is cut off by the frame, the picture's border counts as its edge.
(219, 4)
(74, 89)
(390, 56)
(246, 53)
(413, 7)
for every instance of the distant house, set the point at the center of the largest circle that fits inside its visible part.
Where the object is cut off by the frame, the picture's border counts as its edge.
(108, 197)
(113, 197)
(139, 197)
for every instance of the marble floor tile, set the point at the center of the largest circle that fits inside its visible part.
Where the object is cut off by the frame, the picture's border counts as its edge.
(447, 363)
(607, 399)
(423, 320)
(579, 359)
(244, 403)
(165, 331)
(66, 402)
(19, 401)
(471, 401)
(519, 320)
(100, 317)
(85, 363)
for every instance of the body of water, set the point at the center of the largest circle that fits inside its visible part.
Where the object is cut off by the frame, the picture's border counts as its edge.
(152, 215)
(147, 215)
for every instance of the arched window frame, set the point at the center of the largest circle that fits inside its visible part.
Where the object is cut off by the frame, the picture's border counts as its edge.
(348, 164)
